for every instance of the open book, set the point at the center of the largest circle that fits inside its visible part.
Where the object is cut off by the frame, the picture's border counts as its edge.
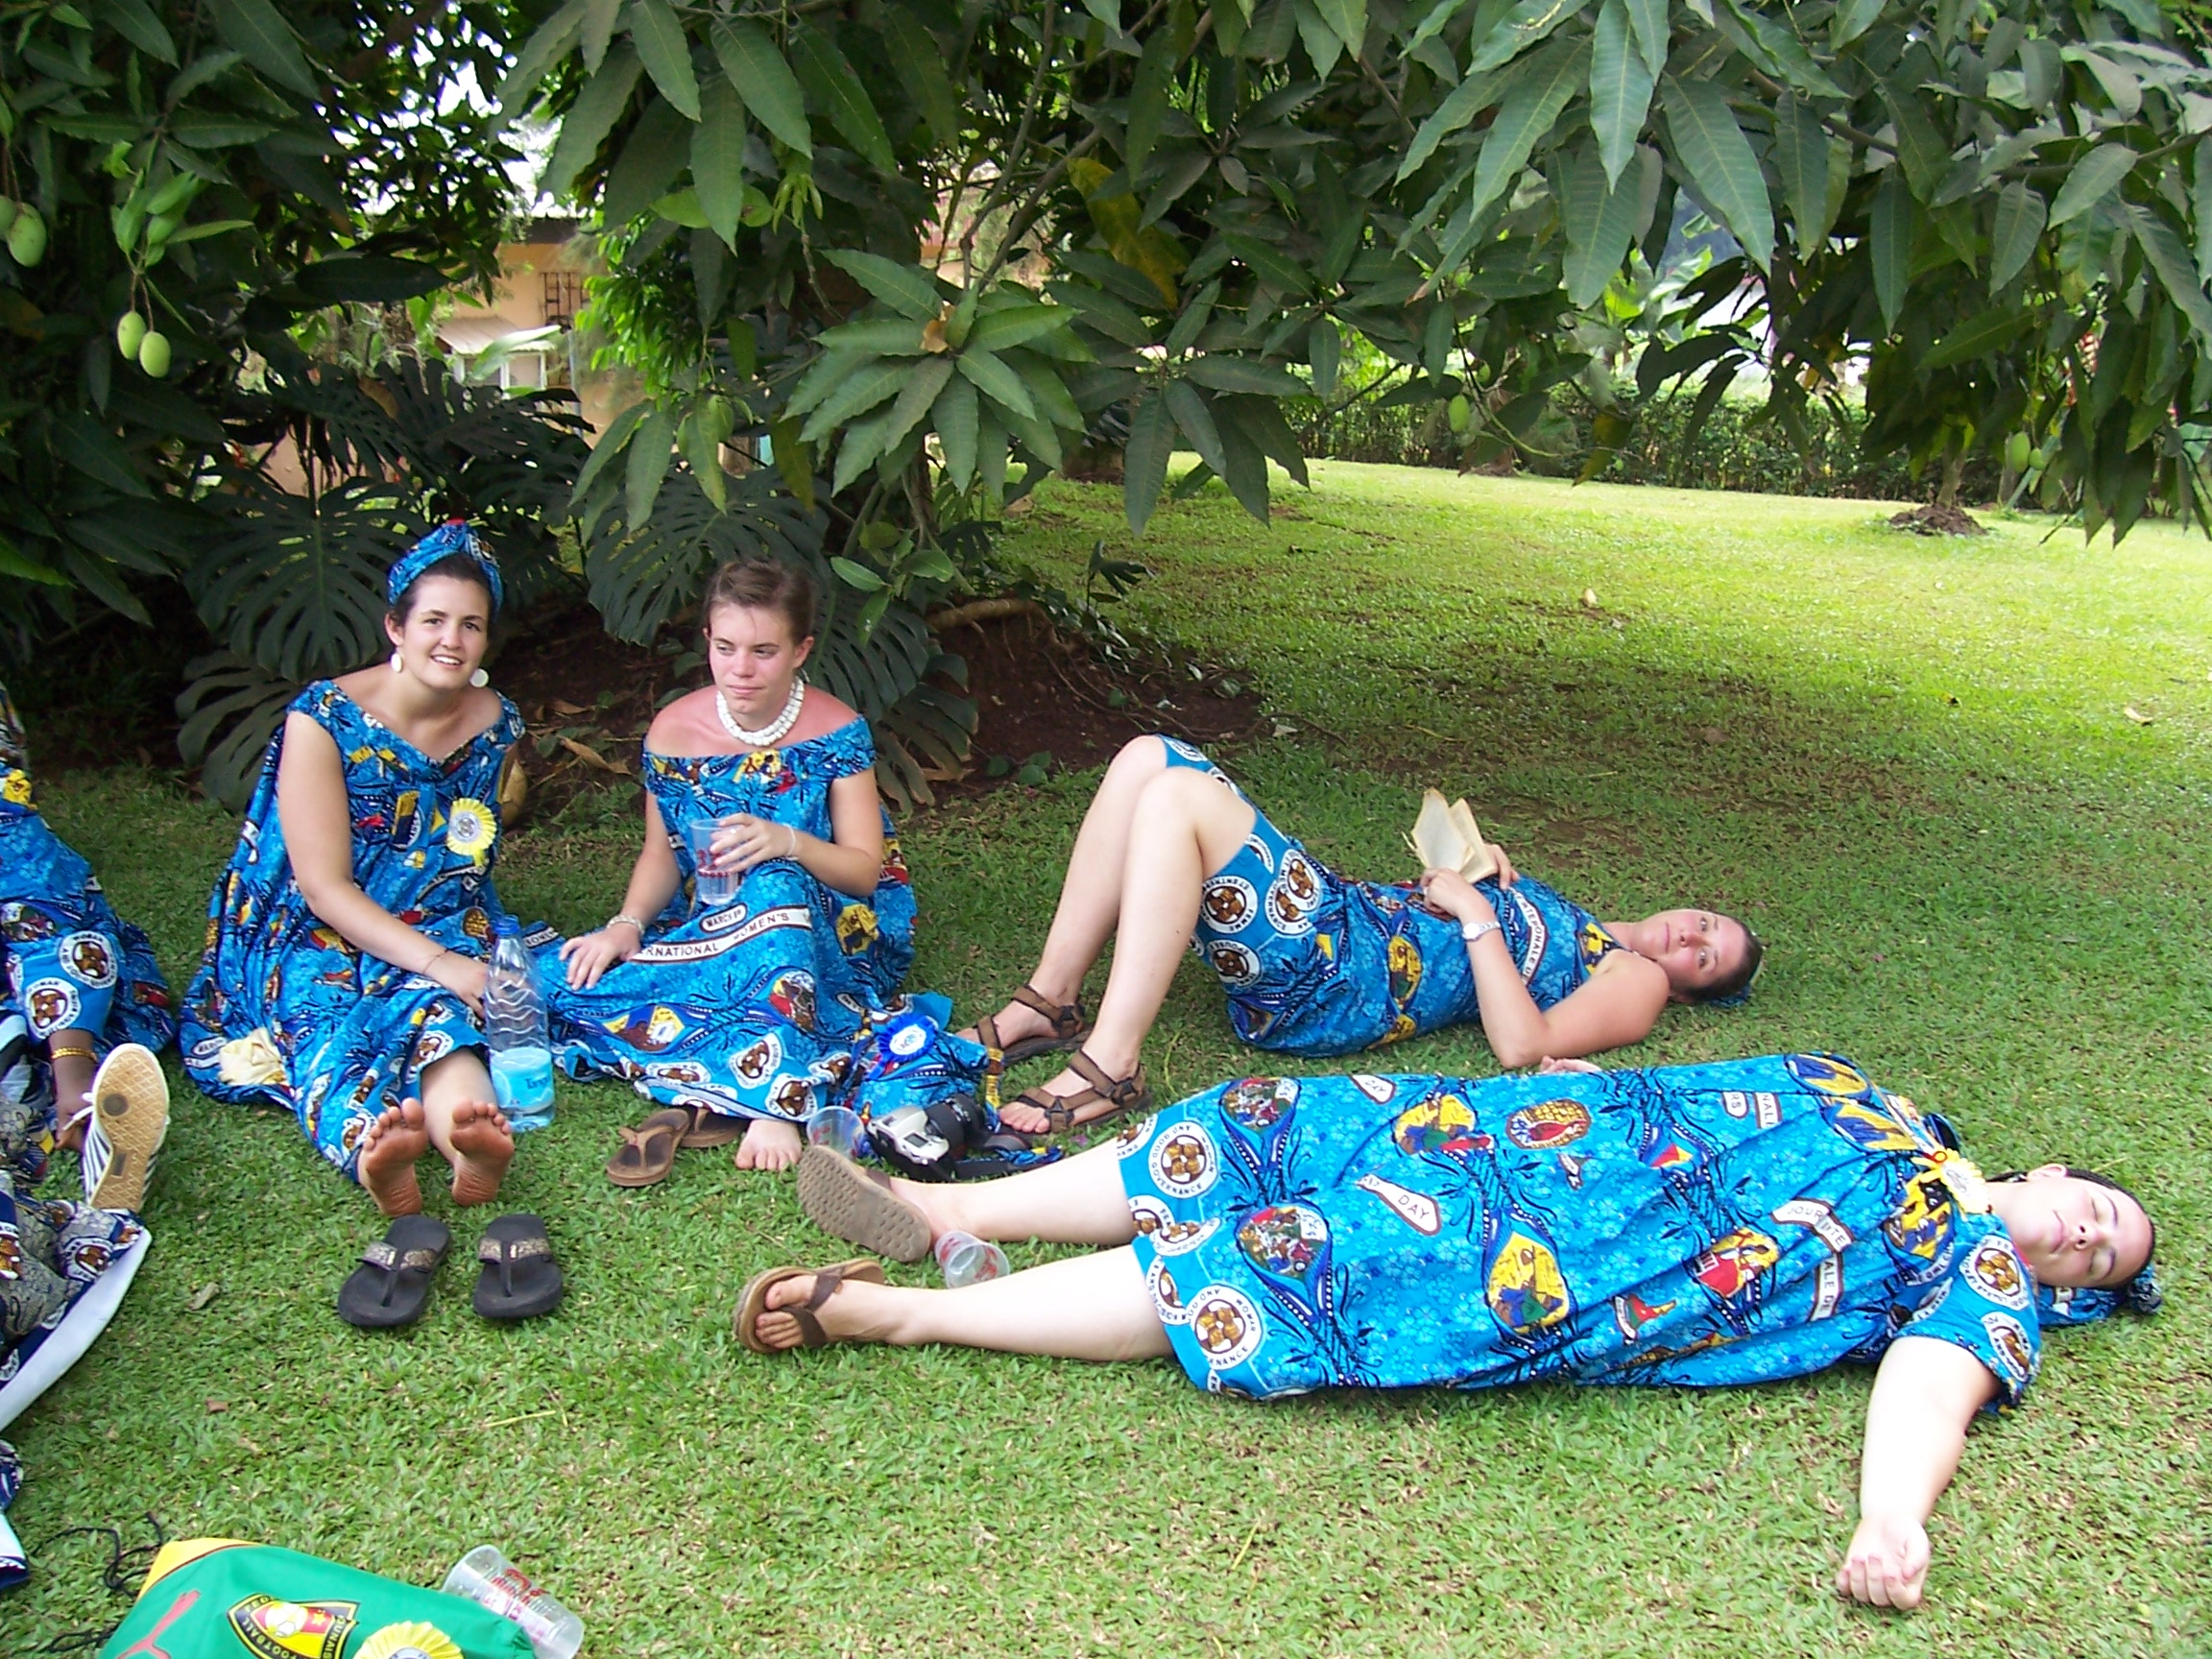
(1446, 838)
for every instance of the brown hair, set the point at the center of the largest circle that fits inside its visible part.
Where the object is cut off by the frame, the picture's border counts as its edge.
(1737, 985)
(757, 584)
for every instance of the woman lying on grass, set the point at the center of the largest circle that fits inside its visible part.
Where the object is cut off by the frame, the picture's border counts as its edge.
(1692, 1225)
(348, 940)
(735, 1014)
(1315, 963)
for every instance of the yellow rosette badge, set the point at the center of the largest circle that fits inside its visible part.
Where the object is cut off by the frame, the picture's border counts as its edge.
(416, 1640)
(16, 788)
(470, 829)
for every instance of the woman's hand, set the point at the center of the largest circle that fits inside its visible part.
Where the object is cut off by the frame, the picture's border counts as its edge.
(592, 955)
(1455, 895)
(463, 976)
(1887, 1565)
(1506, 871)
(744, 842)
(1554, 1067)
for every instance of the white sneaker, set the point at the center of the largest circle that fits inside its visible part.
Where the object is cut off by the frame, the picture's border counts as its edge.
(130, 1120)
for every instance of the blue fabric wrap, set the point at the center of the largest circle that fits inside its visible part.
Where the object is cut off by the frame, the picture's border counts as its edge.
(285, 1010)
(454, 536)
(1695, 1225)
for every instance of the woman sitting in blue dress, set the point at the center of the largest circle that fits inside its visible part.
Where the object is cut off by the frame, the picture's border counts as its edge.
(83, 979)
(349, 937)
(1691, 1225)
(1172, 853)
(741, 1008)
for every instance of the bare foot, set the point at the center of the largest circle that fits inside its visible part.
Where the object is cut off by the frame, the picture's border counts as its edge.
(485, 1147)
(387, 1153)
(844, 1318)
(769, 1144)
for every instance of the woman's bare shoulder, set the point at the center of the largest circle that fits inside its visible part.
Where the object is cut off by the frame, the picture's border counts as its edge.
(676, 729)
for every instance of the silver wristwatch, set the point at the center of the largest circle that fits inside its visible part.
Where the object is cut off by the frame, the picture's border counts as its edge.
(1474, 930)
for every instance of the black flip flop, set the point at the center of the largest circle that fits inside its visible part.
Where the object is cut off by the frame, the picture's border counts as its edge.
(519, 1278)
(392, 1286)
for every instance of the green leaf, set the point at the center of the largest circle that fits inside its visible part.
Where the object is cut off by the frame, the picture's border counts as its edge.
(763, 80)
(2019, 219)
(1226, 373)
(665, 52)
(96, 452)
(1978, 336)
(860, 392)
(547, 45)
(855, 576)
(1049, 392)
(207, 228)
(824, 71)
(1803, 156)
(598, 31)
(794, 461)
(1348, 19)
(878, 336)
(1145, 461)
(1196, 420)
(1017, 325)
(651, 452)
(135, 20)
(610, 444)
(2201, 210)
(1721, 164)
(258, 31)
(1247, 474)
(653, 158)
(1852, 19)
(718, 158)
(1321, 40)
(997, 382)
(367, 280)
(861, 448)
(590, 118)
(1460, 105)
(954, 416)
(1621, 87)
(1325, 350)
(1149, 99)
(1520, 29)
(204, 131)
(921, 66)
(1925, 157)
(1599, 218)
(1890, 243)
(2095, 176)
(1527, 115)
(2162, 246)
(916, 397)
(907, 289)
(1649, 19)
(1269, 263)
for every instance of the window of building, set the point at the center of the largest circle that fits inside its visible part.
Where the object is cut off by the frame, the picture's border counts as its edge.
(564, 296)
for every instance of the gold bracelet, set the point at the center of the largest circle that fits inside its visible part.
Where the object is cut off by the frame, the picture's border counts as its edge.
(442, 950)
(68, 1051)
(632, 920)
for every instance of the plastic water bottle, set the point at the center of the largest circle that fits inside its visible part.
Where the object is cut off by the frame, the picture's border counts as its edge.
(487, 1576)
(515, 1032)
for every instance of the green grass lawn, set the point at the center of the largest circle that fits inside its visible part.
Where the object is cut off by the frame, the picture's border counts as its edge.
(1909, 763)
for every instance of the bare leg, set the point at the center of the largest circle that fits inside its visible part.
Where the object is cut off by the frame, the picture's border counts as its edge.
(1187, 828)
(466, 1125)
(388, 1154)
(1090, 1308)
(769, 1144)
(1091, 891)
(1080, 1200)
(72, 1082)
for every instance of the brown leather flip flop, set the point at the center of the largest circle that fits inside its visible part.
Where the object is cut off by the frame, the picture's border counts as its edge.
(755, 1301)
(858, 1205)
(710, 1129)
(648, 1152)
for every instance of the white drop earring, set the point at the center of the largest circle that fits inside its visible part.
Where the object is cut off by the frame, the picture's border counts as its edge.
(398, 667)
(479, 679)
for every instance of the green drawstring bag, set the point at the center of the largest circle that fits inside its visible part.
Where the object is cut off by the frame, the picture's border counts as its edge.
(208, 1597)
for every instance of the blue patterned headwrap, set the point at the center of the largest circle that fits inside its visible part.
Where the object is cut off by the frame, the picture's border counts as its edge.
(2057, 1305)
(454, 536)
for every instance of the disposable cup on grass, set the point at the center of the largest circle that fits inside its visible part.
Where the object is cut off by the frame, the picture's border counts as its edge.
(838, 1128)
(966, 1259)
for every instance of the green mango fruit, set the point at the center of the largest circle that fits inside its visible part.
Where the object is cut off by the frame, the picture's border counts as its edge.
(2018, 451)
(1456, 413)
(9, 208)
(153, 353)
(130, 334)
(27, 237)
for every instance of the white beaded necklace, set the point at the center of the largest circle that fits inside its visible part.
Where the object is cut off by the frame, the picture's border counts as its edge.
(770, 735)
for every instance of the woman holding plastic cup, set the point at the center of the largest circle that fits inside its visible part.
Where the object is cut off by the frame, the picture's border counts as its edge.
(768, 909)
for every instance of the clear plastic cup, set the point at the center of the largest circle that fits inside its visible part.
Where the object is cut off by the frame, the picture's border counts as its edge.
(486, 1576)
(966, 1259)
(838, 1128)
(715, 889)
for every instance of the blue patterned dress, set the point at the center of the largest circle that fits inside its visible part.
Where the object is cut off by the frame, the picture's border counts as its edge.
(283, 1009)
(1315, 963)
(73, 963)
(1698, 1225)
(751, 1009)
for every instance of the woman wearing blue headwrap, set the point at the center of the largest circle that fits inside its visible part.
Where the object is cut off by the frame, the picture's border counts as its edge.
(1690, 1226)
(346, 940)
(1172, 853)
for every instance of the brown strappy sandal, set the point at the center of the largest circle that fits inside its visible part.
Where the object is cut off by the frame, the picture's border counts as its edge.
(827, 1280)
(1070, 1026)
(1130, 1094)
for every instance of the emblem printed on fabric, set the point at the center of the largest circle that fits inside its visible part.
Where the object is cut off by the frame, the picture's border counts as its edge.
(1819, 1218)
(431, 1048)
(1196, 757)
(1379, 1090)
(1537, 934)
(1261, 850)
(1417, 1210)
(1295, 893)
(2015, 1353)
(1995, 1272)
(274, 1629)
(1167, 1299)
(1226, 1324)
(690, 950)
(1181, 1237)
(1767, 1104)
(1546, 1125)
(1235, 965)
(1284, 1239)
(412, 1640)
(89, 956)
(51, 1005)
(1132, 1139)
(688, 1072)
(1525, 1289)
(1734, 1262)
(1228, 903)
(1827, 1286)
(1147, 1215)
(1183, 1163)
(1260, 1102)
(759, 1059)
(722, 921)
(1631, 1313)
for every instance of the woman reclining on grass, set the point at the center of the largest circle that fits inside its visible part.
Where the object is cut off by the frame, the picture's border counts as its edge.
(1315, 963)
(1692, 1225)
